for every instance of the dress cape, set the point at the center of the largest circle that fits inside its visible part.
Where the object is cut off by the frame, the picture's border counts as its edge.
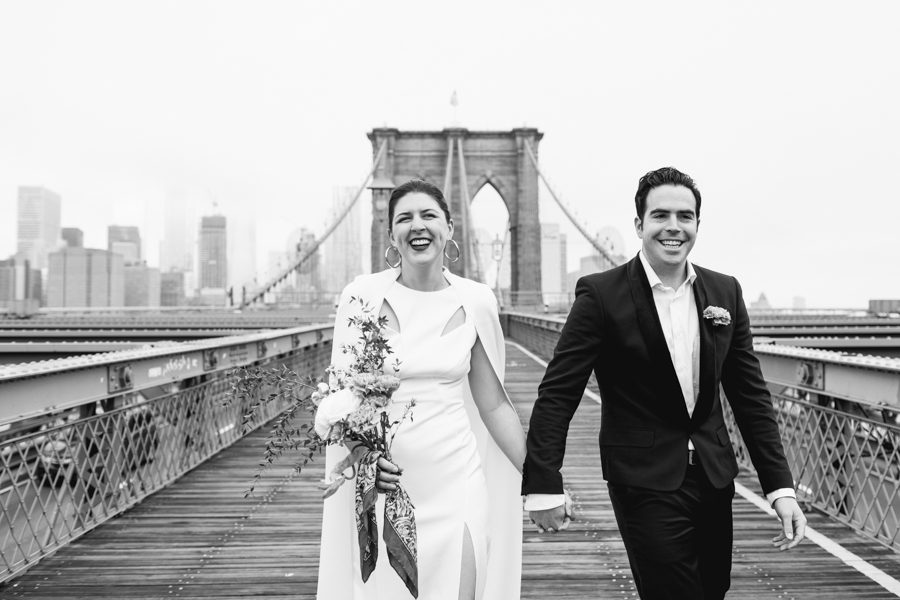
(340, 550)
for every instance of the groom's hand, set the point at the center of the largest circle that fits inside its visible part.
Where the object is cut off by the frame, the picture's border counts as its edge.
(793, 523)
(552, 519)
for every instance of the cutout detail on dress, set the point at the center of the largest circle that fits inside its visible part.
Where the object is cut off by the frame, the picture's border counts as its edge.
(456, 321)
(388, 311)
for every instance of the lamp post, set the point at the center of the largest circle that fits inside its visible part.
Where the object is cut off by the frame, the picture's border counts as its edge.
(381, 193)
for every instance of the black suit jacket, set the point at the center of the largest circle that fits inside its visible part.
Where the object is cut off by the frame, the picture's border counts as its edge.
(614, 330)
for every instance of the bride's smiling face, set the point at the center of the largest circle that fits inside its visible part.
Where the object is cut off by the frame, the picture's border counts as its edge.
(419, 229)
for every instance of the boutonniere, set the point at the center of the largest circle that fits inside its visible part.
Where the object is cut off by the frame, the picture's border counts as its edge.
(719, 315)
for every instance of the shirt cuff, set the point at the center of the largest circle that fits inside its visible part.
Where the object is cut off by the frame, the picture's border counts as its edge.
(544, 501)
(780, 493)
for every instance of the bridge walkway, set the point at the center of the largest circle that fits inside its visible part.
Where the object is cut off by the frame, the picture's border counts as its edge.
(200, 538)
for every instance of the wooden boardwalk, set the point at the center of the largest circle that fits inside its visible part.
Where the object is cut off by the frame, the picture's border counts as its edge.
(199, 538)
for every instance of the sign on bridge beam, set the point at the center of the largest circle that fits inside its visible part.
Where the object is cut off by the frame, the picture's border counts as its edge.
(29, 389)
(859, 378)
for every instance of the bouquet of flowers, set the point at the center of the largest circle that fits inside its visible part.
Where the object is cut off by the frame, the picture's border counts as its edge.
(351, 409)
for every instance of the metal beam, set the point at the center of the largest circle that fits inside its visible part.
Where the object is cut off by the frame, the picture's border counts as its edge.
(825, 329)
(870, 380)
(29, 389)
(85, 335)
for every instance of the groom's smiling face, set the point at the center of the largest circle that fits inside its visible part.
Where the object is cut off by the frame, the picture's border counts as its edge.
(668, 228)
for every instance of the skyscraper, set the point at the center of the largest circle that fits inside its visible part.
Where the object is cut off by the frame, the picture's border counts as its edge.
(553, 262)
(142, 285)
(176, 251)
(307, 277)
(19, 283)
(38, 224)
(85, 277)
(612, 241)
(213, 262)
(241, 251)
(125, 240)
(343, 248)
(73, 237)
(171, 288)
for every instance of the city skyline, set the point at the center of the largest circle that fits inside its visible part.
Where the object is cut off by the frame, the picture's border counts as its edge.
(586, 258)
(789, 140)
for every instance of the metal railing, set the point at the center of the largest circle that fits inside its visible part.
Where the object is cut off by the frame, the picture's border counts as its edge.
(65, 471)
(561, 302)
(845, 458)
(839, 417)
(537, 302)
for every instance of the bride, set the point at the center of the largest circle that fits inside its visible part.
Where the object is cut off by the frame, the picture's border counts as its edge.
(460, 458)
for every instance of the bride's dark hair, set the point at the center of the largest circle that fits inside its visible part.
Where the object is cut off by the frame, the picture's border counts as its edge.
(416, 186)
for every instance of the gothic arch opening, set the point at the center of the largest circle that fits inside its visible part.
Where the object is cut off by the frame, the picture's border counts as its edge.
(490, 228)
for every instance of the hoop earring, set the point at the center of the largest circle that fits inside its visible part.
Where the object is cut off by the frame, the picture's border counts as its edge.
(451, 240)
(387, 260)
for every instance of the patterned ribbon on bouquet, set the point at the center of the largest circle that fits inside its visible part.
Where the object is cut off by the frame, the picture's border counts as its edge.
(399, 526)
(366, 523)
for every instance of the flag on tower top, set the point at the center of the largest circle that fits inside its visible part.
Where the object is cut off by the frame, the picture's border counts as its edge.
(453, 99)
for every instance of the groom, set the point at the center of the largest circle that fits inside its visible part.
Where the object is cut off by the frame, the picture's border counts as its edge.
(661, 335)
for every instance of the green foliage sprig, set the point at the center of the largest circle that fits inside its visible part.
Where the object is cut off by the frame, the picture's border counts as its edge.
(256, 387)
(368, 425)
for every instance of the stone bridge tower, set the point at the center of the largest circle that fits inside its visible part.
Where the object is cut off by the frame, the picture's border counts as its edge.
(461, 162)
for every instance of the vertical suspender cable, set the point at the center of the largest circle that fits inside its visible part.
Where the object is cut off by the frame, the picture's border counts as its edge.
(471, 248)
(312, 249)
(500, 263)
(596, 244)
(448, 174)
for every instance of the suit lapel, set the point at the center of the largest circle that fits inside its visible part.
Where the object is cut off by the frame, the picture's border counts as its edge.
(707, 392)
(651, 329)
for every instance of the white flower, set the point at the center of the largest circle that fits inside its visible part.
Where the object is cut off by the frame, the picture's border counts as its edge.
(323, 388)
(719, 315)
(333, 408)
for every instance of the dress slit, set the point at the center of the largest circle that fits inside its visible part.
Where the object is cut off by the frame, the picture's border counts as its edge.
(468, 548)
(480, 552)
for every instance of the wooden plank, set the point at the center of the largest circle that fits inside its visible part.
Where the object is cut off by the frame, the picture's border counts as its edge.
(199, 538)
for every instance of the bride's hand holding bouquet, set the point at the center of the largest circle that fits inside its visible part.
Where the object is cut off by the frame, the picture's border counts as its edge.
(352, 410)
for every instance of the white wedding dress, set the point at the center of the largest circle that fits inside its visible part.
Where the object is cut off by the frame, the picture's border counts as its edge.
(436, 449)
(441, 450)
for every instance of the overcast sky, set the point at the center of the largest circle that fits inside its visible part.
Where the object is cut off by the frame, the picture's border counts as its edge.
(785, 113)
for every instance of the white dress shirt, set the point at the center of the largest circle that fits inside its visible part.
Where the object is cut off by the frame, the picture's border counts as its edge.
(677, 310)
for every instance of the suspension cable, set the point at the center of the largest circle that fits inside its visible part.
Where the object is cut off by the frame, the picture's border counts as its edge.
(283, 274)
(594, 242)
(471, 238)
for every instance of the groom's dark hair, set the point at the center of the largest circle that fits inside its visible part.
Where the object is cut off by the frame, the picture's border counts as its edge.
(664, 176)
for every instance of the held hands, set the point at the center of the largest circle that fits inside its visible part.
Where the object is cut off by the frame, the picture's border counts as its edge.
(388, 476)
(553, 519)
(793, 524)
